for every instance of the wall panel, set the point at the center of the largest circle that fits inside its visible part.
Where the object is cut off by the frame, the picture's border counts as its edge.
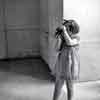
(2, 34)
(23, 41)
(23, 27)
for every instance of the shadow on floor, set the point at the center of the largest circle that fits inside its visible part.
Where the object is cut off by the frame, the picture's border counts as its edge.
(36, 68)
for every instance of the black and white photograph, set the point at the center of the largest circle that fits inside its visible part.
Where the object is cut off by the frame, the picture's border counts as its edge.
(49, 50)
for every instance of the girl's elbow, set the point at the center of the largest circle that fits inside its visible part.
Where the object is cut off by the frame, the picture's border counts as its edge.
(73, 43)
(70, 43)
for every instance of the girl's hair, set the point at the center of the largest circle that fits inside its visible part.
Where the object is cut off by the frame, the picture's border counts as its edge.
(71, 26)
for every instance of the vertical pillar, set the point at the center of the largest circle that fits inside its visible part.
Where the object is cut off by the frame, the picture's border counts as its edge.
(55, 19)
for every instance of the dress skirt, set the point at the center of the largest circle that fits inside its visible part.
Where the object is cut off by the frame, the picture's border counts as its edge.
(68, 63)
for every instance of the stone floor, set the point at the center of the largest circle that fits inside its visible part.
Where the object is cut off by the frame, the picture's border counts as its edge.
(26, 80)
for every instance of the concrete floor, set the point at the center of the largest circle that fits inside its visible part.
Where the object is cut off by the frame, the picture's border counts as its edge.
(17, 82)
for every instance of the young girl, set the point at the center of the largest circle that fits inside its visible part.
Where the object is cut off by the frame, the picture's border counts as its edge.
(67, 66)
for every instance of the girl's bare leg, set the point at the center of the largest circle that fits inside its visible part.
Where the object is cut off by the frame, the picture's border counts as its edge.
(58, 85)
(69, 85)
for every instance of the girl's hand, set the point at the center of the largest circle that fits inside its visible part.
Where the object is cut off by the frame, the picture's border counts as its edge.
(68, 39)
(64, 29)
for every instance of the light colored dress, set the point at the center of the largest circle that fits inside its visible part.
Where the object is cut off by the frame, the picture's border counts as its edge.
(68, 63)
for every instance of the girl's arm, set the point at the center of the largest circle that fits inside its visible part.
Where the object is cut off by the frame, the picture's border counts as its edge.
(58, 43)
(68, 39)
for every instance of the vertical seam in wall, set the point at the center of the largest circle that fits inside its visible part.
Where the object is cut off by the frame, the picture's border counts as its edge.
(5, 28)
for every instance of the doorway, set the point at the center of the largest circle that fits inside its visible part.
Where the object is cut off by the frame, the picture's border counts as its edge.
(87, 14)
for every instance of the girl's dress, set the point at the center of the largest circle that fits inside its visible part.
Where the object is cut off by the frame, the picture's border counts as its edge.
(68, 62)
